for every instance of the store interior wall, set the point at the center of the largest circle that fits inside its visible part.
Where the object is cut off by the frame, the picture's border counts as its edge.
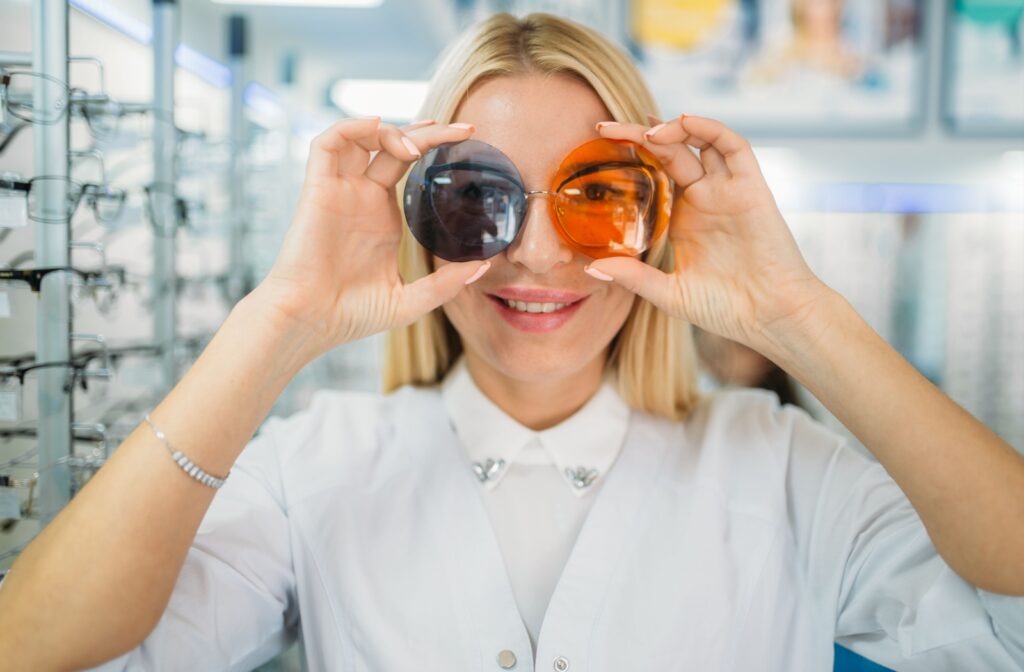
(947, 289)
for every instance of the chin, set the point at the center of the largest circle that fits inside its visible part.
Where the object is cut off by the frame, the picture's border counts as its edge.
(534, 362)
(531, 358)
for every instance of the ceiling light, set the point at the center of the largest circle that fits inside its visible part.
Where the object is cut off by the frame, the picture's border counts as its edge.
(393, 99)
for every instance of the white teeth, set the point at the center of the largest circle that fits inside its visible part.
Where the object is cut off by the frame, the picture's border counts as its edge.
(535, 307)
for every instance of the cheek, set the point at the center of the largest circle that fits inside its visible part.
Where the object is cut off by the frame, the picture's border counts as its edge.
(466, 312)
(614, 308)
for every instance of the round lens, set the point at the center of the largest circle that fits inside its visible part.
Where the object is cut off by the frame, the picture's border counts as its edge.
(613, 199)
(464, 201)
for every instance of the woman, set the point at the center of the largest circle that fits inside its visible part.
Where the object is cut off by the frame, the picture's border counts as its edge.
(818, 44)
(436, 527)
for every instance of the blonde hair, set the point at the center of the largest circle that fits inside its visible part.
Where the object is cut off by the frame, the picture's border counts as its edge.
(653, 355)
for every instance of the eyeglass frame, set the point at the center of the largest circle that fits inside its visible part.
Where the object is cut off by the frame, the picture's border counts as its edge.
(90, 191)
(5, 100)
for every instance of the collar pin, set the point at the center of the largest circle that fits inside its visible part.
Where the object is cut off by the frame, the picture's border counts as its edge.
(581, 477)
(488, 469)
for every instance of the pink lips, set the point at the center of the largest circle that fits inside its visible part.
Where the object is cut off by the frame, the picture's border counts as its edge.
(536, 322)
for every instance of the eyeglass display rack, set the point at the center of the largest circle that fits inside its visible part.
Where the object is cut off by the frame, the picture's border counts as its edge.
(52, 248)
(56, 429)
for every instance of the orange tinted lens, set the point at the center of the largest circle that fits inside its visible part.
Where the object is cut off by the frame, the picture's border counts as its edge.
(607, 208)
(613, 198)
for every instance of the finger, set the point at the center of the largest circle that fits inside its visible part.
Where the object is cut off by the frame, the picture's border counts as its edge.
(713, 162)
(344, 148)
(733, 147)
(679, 162)
(617, 130)
(653, 120)
(417, 124)
(397, 143)
(386, 132)
(443, 285)
(658, 287)
(387, 167)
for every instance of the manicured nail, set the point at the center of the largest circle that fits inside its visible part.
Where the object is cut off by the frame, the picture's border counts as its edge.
(651, 131)
(598, 274)
(413, 149)
(601, 124)
(480, 271)
(459, 124)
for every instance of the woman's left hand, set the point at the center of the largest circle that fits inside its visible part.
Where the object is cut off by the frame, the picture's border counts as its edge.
(738, 272)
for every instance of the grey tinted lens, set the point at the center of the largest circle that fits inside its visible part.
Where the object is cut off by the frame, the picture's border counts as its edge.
(464, 201)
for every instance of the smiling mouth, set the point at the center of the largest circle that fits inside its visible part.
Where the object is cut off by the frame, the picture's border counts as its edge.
(532, 306)
(537, 317)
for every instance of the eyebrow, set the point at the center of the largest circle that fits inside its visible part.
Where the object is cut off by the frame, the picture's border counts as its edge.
(473, 165)
(597, 167)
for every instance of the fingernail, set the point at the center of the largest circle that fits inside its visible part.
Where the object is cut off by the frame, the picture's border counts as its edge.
(459, 124)
(413, 149)
(598, 274)
(480, 271)
(652, 131)
(601, 124)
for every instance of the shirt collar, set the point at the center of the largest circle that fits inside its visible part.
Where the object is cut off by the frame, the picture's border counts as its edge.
(583, 447)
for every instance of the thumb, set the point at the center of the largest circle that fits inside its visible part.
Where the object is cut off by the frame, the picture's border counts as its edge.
(656, 286)
(443, 285)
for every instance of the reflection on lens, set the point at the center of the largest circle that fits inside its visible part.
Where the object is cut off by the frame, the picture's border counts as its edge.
(464, 201)
(614, 198)
(474, 206)
(607, 208)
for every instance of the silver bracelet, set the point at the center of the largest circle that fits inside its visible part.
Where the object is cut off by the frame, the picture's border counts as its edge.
(189, 467)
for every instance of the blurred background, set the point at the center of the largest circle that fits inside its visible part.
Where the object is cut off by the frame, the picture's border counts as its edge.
(151, 154)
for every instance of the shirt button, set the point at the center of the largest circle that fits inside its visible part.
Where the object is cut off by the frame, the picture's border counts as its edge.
(506, 659)
(561, 664)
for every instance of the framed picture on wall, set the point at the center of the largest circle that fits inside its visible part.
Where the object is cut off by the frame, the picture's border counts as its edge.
(983, 67)
(786, 67)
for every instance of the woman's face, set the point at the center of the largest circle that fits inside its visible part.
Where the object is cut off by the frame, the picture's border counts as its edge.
(536, 121)
(821, 17)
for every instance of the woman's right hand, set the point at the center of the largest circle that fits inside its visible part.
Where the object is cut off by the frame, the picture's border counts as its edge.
(337, 272)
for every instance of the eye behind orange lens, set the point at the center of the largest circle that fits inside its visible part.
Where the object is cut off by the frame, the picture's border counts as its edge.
(614, 199)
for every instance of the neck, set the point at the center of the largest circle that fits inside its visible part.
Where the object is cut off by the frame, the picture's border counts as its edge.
(538, 404)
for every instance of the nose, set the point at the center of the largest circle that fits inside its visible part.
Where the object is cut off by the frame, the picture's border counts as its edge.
(538, 246)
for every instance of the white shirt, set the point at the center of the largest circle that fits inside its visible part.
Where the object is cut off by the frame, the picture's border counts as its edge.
(746, 538)
(537, 487)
